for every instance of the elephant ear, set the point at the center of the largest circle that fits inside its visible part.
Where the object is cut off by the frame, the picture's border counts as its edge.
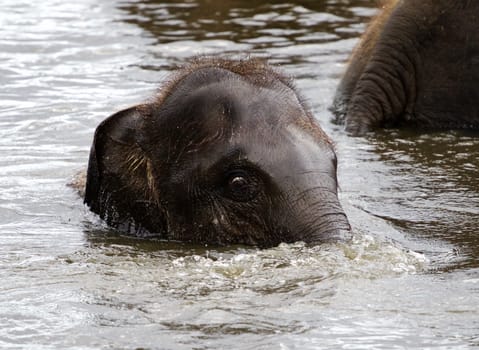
(114, 134)
(119, 185)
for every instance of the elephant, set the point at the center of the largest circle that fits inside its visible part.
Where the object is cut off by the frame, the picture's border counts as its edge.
(228, 152)
(417, 65)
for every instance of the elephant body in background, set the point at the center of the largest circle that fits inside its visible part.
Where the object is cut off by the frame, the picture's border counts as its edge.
(416, 65)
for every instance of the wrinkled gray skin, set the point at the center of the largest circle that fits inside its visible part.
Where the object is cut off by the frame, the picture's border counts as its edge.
(227, 154)
(416, 65)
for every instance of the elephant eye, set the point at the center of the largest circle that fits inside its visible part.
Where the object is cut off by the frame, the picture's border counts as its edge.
(241, 186)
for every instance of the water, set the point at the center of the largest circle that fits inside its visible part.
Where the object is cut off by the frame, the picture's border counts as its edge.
(409, 279)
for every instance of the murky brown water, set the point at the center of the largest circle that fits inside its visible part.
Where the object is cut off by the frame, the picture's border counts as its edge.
(410, 279)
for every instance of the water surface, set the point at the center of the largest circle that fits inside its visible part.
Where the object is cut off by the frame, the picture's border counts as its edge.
(409, 279)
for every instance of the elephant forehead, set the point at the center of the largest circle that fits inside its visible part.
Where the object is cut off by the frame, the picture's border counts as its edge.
(240, 103)
(289, 152)
(292, 150)
(228, 118)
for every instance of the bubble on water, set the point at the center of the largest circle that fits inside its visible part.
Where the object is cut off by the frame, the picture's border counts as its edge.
(290, 266)
(186, 274)
(370, 256)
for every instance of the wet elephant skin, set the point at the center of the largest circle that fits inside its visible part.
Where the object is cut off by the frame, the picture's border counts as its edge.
(228, 153)
(416, 65)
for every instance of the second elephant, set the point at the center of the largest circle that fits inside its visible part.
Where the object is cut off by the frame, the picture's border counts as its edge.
(417, 64)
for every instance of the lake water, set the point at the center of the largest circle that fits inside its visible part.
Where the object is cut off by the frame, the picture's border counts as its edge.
(408, 280)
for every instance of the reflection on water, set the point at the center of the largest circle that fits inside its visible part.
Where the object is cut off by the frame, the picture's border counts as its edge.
(409, 279)
(262, 25)
(424, 184)
(443, 199)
